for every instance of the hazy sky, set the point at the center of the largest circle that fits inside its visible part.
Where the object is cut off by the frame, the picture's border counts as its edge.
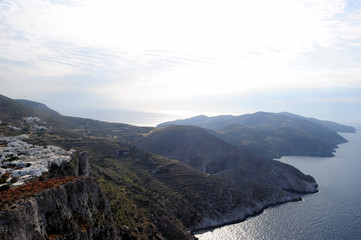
(184, 57)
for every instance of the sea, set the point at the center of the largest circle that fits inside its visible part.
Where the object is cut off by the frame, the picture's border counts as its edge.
(332, 213)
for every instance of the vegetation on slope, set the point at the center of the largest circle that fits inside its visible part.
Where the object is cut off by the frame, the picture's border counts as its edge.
(273, 134)
(201, 150)
(151, 197)
(13, 195)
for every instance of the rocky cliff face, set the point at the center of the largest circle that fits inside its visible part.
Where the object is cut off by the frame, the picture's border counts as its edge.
(241, 199)
(65, 204)
(75, 210)
(153, 196)
(242, 212)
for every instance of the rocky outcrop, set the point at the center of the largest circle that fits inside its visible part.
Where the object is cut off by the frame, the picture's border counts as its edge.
(84, 165)
(280, 174)
(241, 213)
(78, 166)
(75, 210)
(241, 199)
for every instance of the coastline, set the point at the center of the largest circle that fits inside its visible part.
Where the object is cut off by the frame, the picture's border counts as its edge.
(336, 155)
(241, 214)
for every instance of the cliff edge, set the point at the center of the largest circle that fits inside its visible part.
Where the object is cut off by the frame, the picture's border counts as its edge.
(61, 207)
(75, 210)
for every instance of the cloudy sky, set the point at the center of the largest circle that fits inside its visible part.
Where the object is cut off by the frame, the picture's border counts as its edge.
(106, 59)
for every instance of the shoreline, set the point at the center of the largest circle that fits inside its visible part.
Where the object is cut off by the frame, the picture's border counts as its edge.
(256, 212)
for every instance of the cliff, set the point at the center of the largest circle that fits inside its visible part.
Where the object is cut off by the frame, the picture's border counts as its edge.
(77, 209)
(170, 194)
(150, 196)
(241, 199)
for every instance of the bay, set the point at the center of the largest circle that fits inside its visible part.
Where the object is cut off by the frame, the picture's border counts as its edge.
(332, 213)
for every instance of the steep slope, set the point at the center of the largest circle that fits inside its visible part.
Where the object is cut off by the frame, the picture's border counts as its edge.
(39, 106)
(199, 149)
(271, 134)
(278, 142)
(150, 196)
(191, 145)
(157, 197)
(171, 192)
(64, 203)
(252, 139)
(77, 209)
(15, 112)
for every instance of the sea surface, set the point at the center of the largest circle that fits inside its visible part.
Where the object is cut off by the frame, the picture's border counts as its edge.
(332, 213)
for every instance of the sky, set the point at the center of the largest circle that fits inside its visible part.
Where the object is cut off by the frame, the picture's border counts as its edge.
(113, 60)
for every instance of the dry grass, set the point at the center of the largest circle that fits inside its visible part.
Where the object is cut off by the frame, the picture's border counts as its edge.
(13, 195)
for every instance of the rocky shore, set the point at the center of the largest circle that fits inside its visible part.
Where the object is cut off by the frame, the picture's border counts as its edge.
(243, 212)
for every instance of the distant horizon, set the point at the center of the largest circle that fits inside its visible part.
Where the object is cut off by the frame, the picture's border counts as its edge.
(152, 119)
(235, 57)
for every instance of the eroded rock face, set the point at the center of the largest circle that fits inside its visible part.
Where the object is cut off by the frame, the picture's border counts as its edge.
(84, 165)
(76, 210)
(241, 199)
(282, 175)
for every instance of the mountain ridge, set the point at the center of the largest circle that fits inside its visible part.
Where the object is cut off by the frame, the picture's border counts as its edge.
(157, 196)
(201, 150)
(217, 122)
(273, 134)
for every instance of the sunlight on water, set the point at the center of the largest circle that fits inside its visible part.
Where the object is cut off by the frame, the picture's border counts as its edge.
(332, 213)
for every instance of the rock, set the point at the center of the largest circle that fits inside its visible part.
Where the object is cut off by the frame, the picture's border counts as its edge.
(78, 166)
(84, 166)
(75, 210)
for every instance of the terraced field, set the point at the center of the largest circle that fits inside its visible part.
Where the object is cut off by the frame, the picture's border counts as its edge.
(151, 196)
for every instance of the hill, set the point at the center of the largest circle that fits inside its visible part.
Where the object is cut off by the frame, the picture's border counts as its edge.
(273, 134)
(16, 112)
(153, 196)
(201, 150)
(331, 125)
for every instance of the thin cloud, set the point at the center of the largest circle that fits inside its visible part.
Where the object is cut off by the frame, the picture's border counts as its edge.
(162, 51)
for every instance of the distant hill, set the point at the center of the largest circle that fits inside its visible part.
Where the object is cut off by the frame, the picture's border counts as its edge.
(203, 121)
(331, 125)
(201, 150)
(157, 197)
(37, 105)
(15, 112)
(273, 134)
(258, 118)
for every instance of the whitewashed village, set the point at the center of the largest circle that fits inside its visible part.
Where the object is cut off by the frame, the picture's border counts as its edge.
(21, 161)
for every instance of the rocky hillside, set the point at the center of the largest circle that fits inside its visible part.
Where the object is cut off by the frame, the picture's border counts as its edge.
(76, 209)
(64, 203)
(150, 196)
(169, 191)
(16, 112)
(201, 150)
(273, 134)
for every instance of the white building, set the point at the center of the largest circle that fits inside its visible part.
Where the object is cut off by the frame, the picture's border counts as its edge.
(23, 159)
